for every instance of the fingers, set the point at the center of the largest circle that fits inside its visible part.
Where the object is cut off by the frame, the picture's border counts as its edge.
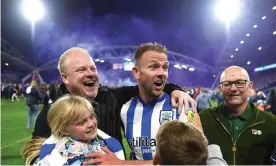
(186, 105)
(174, 102)
(193, 104)
(106, 150)
(92, 162)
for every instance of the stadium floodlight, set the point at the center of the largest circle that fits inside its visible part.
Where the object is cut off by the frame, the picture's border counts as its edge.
(255, 26)
(264, 17)
(274, 33)
(97, 60)
(101, 61)
(232, 56)
(260, 48)
(191, 69)
(274, 8)
(6, 64)
(248, 34)
(242, 42)
(33, 9)
(248, 63)
(236, 49)
(227, 10)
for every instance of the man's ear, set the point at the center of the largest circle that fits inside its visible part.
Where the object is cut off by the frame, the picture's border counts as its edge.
(156, 160)
(220, 88)
(136, 72)
(64, 78)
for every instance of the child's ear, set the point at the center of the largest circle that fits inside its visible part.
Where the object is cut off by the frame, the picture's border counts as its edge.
(64, 132)
(156, 160)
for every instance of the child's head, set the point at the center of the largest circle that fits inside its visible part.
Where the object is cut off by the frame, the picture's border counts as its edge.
(73, 116)
(180, 143)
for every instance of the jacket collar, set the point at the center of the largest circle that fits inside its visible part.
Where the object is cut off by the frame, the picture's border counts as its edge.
(255, 119)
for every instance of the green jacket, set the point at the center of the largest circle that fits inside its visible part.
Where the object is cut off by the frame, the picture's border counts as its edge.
(253, 146)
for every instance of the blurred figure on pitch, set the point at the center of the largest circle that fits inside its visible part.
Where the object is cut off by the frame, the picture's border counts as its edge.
(15, 92)
(271, 102)
(49, 95)
(203, 100)
(33, 96)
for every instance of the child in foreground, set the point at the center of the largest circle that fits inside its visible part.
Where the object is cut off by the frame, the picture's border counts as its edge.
(74, 134)
(179, 143)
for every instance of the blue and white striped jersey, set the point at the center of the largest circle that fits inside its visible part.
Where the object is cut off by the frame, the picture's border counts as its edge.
(68, 151)
(142, 121)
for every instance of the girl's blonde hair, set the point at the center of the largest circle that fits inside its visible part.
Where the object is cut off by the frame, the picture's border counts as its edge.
(65, 111)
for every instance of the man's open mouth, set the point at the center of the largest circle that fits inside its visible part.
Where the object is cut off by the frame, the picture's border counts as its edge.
(89, 83)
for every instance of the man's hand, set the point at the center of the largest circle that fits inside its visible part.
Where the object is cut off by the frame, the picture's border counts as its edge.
(103, 159)
(180, 99)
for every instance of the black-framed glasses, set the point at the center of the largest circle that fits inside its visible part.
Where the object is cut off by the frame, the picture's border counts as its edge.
(238, 84)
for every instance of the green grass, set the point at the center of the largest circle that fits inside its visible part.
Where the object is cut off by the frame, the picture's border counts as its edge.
(14, 133)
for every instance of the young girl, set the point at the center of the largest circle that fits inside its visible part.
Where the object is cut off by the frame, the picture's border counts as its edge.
(74, 134)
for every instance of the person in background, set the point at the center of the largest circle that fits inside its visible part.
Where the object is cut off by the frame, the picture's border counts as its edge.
(271, 102)
(15, 92)
(33, 97)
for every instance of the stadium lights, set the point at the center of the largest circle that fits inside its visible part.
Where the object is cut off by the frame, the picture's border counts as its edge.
(128, 59)
(274, 33)
(97, 60)
(242, 42)
(255, 26)
(101, 61)
(248, 63)
(260, 48)
(184, 66)
(264, 17)
(191, 69)
(232, 56)
(227, 10)
(236, 49)
(274, 8)
(248, 34)
(33, 10)
(6, 64)
(214, 76)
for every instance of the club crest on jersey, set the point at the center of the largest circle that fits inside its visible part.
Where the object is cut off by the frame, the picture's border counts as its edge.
(165, 116)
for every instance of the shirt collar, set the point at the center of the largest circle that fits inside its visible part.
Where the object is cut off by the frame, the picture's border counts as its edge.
(245, 115)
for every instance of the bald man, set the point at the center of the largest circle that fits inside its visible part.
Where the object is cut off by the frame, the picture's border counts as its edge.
(245, 134)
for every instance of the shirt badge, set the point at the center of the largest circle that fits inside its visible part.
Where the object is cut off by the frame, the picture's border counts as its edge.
(256, 132)
(165, 116)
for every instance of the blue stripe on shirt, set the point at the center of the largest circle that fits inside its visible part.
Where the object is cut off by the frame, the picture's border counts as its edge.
(130, 118)
(146, 129)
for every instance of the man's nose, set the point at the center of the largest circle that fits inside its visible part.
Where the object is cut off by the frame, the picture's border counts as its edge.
(162, 72)
(233, 87)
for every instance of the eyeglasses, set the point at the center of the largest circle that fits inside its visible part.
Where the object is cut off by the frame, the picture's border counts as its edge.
(238, 84)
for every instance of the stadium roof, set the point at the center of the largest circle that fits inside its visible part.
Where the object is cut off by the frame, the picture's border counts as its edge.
(188, 28)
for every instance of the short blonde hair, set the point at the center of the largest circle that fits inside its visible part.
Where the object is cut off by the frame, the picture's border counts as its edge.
(65, 111)
(181, 143)
(33, 83)
(61, 64)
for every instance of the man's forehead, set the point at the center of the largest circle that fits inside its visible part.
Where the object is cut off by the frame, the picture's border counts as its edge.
(234, 75)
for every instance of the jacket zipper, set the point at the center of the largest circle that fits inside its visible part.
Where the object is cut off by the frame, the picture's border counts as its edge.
(234, 148)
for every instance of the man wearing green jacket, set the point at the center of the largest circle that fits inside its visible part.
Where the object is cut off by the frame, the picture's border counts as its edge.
(245, 134)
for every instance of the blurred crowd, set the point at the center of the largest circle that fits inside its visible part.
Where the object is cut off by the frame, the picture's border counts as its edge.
(206, 98)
